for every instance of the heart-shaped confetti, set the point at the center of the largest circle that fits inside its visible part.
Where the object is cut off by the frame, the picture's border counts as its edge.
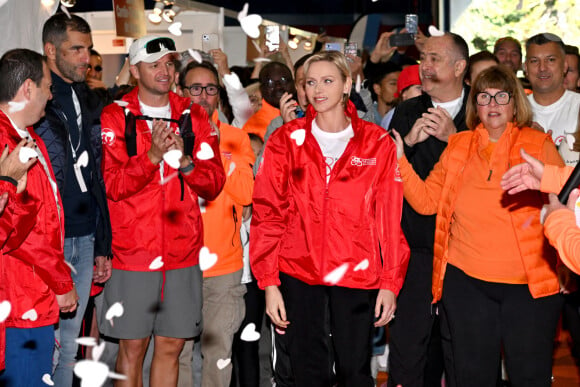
(172, 158)
(46, 379)
(249, 333)
(205, 152)
(336, 275)
(115, 310)
(72, 268)
(175, 29)
(223, 363)
(91, 373)
(121, 103)
(195, 55)
(30, 315)
(434, 31)
(202, 204)
(14, 107)
(5, 309)
(363, 265)
(232, 168)
(98, 351)
(298, 135)
(156, 264)
(26, 154)
(86, 341)
(358, 84)
(206, 259)
(570, 140)
(250, 23)
(262, 60)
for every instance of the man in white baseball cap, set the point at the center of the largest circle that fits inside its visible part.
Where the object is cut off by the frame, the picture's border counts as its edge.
(155, 215)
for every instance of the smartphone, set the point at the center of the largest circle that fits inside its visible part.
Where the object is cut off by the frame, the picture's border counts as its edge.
(351, 48)
(411, 23)
(273, 38)
(401, 40)
(210, 42)
(332, 46)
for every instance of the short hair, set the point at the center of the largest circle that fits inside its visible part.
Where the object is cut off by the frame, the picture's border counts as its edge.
(573, 50)
(196, 65)
(16, 66)
(507, 39)
(335, 57)
(94, 52)
(300, 62)
(459, 46)
(544, 38)
(383, 69)
(269, 68)
(56, 27)
(502, 78)
(479, 57)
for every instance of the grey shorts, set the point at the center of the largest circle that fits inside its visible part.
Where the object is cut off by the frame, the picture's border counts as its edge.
(177, 314)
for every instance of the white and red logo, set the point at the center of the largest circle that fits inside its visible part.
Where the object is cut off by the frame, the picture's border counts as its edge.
(360, 162)
(107, 136)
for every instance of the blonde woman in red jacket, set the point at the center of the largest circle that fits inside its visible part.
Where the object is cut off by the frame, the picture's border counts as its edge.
(493, 271)
(326, 241)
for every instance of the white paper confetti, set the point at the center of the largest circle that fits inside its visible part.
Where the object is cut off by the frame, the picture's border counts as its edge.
(298, 135)
(30, 315)
(157, 263)
(232, 168)
(206, 259)
(172, 158)
(5, 308)
(250, 23)
(115, 310)
(86, 341)
(175, 29)
(363, 265)
(223, 363)
(249, 333)
(205, 152)
(336, 275)
(47, 380)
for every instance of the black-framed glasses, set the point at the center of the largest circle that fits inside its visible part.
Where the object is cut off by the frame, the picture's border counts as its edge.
(501, 98)
(196, 89)
(283, 81)
(97, 68)
(159, 44)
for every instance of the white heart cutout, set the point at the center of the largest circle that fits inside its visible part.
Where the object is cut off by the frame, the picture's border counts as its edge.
(46, 379)
(251, 25)
(86, 341)
(336, 275)
(206, 259)
(5, 308)
(172, 158)
(157, 263)
(175, 29)
(98, 351)
(363, 265)
(205, 152)
(115, 310)
(26, 154)
(244, 12)
(298, 135)
(433, 31)
(262, 60)
(223, 363)
(30, 315)
(195, 55)
(121, 103)
(91, 373)
(72, 268)
(232, 168)
(249, 333)
(570, 140)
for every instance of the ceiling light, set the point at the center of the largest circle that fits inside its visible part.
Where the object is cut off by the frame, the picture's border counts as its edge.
(294, 42)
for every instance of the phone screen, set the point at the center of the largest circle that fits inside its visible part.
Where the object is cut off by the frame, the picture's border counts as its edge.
(332, 46)
(351, 48)
(209, 42)
(273, 37)
(411, 23)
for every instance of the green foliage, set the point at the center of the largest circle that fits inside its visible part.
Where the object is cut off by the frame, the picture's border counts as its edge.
(485, 21)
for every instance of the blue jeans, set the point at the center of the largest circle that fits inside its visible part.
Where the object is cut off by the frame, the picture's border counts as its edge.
(28, 356)
(78, 251)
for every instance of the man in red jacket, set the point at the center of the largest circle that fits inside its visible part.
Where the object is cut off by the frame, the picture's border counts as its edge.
(160, 156)
(36, 279)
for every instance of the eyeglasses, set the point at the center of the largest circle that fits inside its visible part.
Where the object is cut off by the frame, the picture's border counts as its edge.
(501, 98)
(283, 81)
(97, 68)
(159, 44)
(196, 90)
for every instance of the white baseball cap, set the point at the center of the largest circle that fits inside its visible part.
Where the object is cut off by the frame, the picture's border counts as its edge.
(150, 49)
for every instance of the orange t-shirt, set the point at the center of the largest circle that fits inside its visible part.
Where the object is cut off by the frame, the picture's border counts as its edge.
(258, 123)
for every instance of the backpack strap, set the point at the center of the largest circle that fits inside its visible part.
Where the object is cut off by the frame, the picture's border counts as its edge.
(130, 133)
(186, 131)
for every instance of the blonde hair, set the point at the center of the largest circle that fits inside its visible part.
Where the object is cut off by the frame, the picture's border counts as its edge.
(502, 78)
(336, 58)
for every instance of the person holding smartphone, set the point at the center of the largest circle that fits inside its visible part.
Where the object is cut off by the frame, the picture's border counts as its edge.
(326, 228)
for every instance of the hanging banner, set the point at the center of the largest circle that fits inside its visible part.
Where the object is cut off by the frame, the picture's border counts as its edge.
(130, 18)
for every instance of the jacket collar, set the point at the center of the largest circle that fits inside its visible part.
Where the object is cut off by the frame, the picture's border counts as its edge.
(350, 111)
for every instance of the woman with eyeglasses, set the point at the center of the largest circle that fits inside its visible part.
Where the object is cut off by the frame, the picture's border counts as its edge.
(326, 241)
(493, 270)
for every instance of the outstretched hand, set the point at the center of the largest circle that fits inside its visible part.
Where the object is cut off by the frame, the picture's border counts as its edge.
(526, 175)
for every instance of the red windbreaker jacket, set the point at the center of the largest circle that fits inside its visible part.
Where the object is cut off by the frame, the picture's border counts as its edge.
(149, 217)
(32, 255)
(306, 227)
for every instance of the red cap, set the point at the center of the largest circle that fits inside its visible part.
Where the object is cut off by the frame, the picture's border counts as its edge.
(408, 77)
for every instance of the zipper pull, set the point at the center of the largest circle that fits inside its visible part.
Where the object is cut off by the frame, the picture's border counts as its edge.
(490, 172)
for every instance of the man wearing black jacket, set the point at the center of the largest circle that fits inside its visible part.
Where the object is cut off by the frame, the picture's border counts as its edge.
(425, 123)
(72, 134)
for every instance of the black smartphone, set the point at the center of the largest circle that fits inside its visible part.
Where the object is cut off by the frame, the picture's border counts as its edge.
(401, 40)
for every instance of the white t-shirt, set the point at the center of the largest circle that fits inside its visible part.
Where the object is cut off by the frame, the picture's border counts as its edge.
(156, 112)
(452, 107)
(331, 144)
(561, 117)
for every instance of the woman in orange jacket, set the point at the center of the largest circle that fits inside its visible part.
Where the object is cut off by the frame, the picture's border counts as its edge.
(492, 271)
